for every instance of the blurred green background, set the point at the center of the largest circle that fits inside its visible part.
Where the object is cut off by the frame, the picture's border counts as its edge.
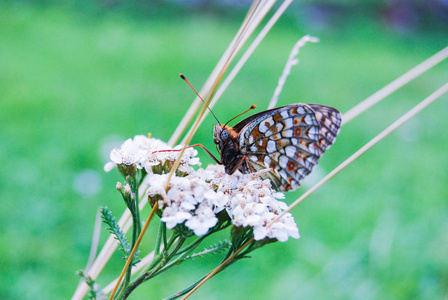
(78, 76)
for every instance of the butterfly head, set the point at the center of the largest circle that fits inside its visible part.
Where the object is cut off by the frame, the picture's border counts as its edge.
(222, 134)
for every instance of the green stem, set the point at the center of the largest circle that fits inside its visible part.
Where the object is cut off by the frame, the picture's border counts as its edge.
(188, 289)
(136, 226)
(162, 261)
(162, 232)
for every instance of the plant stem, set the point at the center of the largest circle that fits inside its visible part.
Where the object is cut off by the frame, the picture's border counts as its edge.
(151, 214)
(136, 228)
(218, 268)
(161, 263)
(162, 232)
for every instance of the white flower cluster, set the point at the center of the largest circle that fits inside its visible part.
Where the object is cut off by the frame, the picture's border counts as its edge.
(254, 203)
(198, 197)
(188, 199)
(146, 152)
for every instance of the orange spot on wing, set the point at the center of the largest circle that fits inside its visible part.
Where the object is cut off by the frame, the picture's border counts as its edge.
(291, 165)
(277, 117)
(256, 134)
(294, 111)
(307, 131)
(297, 131)
(281, 144)
(264, 144)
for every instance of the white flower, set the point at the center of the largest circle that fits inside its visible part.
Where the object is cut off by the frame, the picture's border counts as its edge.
(128, 153)
(188, 200)
(202, 221)
(172, 216)
(254, 203)
(145, 152)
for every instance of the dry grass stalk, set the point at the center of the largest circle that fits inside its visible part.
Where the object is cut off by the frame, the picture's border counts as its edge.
(396, 84)
(292, 61)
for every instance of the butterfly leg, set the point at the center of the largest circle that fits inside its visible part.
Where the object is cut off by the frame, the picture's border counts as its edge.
(208, 152)
(244, 158)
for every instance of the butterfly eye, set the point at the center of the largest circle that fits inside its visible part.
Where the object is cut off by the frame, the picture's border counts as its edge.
(225, 135)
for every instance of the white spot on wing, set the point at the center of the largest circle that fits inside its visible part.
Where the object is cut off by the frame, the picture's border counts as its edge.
(288, 123)
(287, 133)
(290, 151)
(283, 161)
(265, 125)
(313, 132)
(308, 120)
(267, 161)
(283, 174)
(276, 136)
(301, 110)
(271, 147)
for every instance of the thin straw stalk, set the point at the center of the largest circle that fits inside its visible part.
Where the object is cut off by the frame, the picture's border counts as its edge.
(292, 61)
(134, 250)
(396, 84)
(109, 247)
(216, 270)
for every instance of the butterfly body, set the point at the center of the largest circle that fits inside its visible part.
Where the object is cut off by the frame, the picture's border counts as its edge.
(287, 140)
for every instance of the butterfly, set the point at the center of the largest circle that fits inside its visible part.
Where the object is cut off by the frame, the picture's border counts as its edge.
(287, 141)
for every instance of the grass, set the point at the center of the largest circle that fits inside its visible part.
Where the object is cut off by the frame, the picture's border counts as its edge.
(70, 84)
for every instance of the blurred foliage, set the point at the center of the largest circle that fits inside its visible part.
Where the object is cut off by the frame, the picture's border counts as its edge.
(76, 77)
(402, 15)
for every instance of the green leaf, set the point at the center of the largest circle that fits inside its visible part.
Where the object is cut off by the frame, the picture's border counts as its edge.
(213, 249)
(114, 229)
(91, 283)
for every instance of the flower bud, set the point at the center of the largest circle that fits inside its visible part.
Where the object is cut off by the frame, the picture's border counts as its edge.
(128, 170)
(127, 190)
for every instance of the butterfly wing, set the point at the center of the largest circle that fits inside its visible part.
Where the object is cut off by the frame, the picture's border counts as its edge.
(288, 140)
(330, 122)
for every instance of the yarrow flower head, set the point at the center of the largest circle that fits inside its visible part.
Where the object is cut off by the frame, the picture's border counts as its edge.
(150, 154)
(189, 201)
(207, 198)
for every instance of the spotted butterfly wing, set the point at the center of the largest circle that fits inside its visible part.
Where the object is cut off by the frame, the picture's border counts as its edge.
(288, 140)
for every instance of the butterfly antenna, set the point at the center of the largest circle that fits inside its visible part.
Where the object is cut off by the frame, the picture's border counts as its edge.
(183, 77)
(252, 107)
